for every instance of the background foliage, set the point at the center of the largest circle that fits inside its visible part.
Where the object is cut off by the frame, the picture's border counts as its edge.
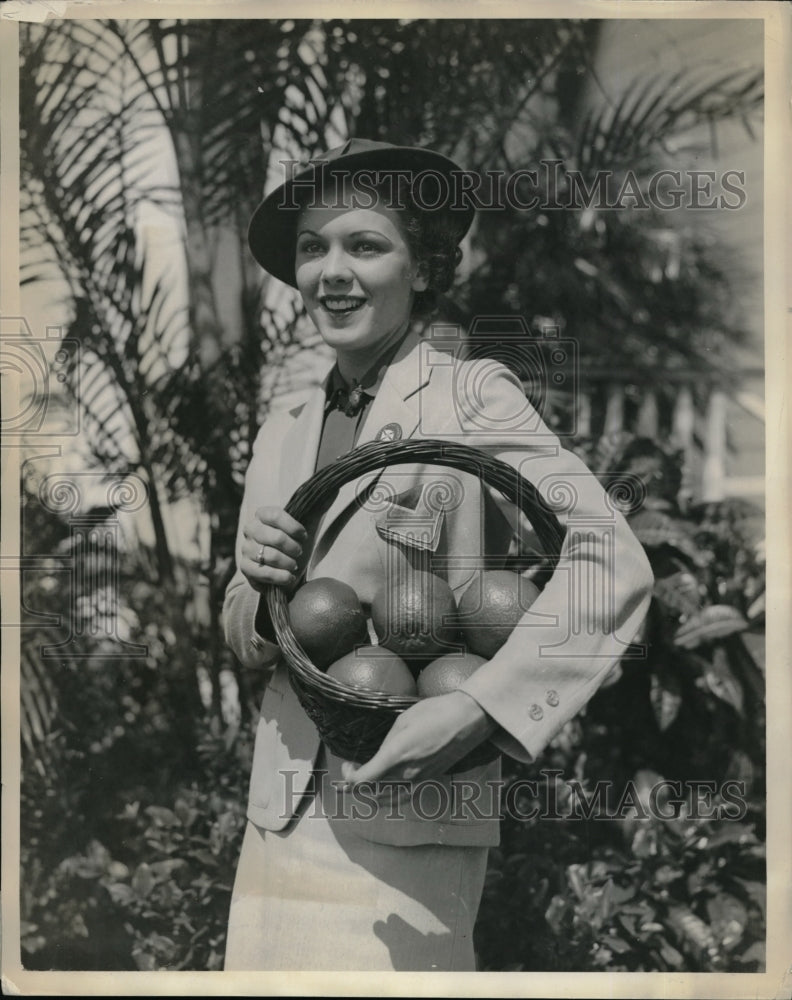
(181, 356)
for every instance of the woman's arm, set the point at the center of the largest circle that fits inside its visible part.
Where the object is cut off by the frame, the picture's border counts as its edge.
(580, 625)
(266, 529)
(592, 605)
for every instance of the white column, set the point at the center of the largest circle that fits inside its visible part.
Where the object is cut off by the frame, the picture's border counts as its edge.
(714, 465)
(614, 410)
(583, 414)
(684, 418)
(648, 416)
(683, 423)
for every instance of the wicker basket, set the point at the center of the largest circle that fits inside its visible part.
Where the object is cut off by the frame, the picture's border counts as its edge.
(353, 722)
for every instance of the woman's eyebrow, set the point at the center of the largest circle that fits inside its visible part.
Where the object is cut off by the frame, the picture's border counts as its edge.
(370, 232)
(357, 232)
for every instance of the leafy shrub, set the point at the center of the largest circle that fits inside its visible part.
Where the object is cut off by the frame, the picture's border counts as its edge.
(631, 894)
(632, 891)
(156, 894)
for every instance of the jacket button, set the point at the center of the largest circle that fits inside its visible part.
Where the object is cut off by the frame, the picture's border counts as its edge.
(535, 711)
(552, 698)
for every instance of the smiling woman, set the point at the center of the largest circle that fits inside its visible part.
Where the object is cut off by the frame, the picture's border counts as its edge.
(357, 276)
(321, 882)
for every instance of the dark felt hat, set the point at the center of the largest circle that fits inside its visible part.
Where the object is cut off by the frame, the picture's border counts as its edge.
(271, 233)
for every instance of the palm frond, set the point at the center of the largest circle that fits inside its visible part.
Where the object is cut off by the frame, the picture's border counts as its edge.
(650, 112)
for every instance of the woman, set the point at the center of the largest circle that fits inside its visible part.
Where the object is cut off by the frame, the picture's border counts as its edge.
(336, 872)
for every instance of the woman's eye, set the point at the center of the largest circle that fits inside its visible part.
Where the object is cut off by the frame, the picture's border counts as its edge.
(310, 247)
(366, 246)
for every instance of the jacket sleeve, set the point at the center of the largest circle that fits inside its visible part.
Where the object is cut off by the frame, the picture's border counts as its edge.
(592, 606)
(241, 600)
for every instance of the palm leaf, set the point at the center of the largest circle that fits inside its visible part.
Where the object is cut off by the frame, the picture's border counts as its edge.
(38, 703)
(648, 114)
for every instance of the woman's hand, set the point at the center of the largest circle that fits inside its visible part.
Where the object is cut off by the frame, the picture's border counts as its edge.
(426, 740)
(272, 544)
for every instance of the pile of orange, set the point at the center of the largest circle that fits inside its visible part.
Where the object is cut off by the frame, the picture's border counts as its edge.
(427, 643)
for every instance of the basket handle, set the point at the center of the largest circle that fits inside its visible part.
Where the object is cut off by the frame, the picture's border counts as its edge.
(319, 490)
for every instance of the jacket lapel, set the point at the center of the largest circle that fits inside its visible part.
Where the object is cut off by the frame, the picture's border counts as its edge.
(397, 402)
(301, 443)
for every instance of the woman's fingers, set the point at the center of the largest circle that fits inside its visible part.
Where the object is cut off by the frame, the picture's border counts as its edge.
(425, 740)
(261, 575)
(395, 760)
(271, 547)
(257, 533)
(375, 769)
(268, 555)
(277, 518)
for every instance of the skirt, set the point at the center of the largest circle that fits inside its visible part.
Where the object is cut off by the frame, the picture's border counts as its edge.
(318, 897)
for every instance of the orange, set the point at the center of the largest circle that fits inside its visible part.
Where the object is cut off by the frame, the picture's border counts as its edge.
(374, 669)
(491, 607)
(327, 620)
(414, 615)
(447, 673)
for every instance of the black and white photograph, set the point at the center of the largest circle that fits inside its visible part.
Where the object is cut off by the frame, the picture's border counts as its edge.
(394, 548)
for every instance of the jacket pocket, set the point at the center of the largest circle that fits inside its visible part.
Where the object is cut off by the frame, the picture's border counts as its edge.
(411, 529)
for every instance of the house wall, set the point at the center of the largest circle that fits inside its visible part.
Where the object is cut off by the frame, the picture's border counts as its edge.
(629, 52)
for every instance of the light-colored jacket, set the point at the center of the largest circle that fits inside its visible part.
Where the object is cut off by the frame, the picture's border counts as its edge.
(553, 662)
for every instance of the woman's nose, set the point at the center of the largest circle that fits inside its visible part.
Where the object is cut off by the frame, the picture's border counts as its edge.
(335, 266)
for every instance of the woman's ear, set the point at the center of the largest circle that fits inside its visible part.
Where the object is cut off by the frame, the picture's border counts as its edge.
(420, 281)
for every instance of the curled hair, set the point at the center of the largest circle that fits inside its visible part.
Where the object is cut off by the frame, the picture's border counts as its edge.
(433, 237)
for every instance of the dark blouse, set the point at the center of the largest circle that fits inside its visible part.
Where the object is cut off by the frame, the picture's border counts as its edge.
(346, 409)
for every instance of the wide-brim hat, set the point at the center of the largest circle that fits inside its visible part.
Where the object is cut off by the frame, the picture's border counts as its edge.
(272, 230)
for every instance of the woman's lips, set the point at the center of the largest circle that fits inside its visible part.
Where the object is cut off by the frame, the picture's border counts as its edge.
(341, 305)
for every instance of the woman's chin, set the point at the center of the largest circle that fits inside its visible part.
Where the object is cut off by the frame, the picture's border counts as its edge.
(350, 334)
(341, 326)
(353, 337)
(343, 338)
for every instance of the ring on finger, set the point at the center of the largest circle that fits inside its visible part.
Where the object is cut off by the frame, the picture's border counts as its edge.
(260, 555)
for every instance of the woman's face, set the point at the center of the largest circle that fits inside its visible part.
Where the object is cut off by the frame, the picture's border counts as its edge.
(357, 276)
